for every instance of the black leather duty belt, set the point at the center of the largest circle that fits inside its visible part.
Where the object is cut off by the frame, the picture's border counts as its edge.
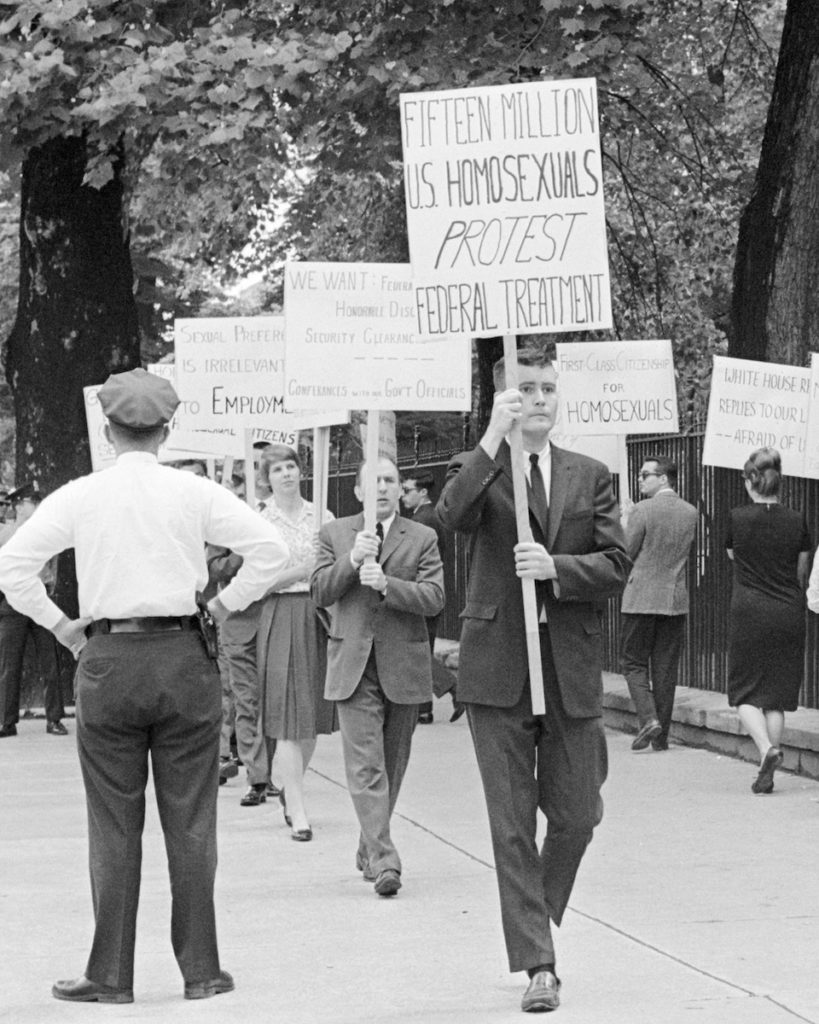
(148, 624)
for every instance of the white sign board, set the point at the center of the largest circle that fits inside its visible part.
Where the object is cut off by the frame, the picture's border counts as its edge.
(617, 387)
(351, 340)
(230, 374)
(215, 441)
(505, 210)
(757, 405)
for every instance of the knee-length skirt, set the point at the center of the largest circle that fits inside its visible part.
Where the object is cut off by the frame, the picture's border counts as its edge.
(292, 664)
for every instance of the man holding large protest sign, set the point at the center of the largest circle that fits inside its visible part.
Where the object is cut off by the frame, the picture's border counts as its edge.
(556, 762)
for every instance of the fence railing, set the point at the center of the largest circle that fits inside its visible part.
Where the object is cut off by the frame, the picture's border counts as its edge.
(713, 492)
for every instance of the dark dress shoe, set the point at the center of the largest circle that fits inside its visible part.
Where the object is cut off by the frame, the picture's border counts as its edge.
(388, 882)
(425, 718)
(254, 796)
(56, 729)
(283, 802)
(81, 990)
(8, 730)
(457, 710)
(764, 782)
(272, 789)
(543, 993)
(206, 989)
(301, 835)
(650, 731)
(228, 769)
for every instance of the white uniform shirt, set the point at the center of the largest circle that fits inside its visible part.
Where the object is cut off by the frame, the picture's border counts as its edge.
(139, 531)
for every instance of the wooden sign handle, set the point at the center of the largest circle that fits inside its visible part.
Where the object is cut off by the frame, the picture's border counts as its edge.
(524, 531)
(250, 470)
(370, 480)
(321, 468)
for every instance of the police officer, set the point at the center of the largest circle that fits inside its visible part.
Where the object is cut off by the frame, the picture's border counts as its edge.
(145, 682)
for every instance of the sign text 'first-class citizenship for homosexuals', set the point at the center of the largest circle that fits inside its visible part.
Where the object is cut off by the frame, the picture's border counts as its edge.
(505, 209)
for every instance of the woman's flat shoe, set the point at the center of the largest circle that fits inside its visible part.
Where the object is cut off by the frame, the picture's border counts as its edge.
(764, 782)
(301, 835)
(283, 802)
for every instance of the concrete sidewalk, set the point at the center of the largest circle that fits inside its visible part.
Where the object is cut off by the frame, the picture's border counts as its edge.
(696, 901)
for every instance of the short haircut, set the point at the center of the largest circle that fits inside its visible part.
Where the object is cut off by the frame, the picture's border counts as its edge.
(423, 480)
(363, 463)
(763, 471)
(145, 439)
(665, 467)
(527, 356)
(274, 453)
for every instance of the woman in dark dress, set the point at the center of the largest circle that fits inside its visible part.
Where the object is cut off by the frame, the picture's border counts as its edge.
(770, 549)
(291, 642)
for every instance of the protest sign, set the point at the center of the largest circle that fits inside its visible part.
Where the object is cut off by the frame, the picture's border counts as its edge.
(352, 342)
(218, 441)
(617, 387)
(757, 405)
(505, 212)
(230, 374)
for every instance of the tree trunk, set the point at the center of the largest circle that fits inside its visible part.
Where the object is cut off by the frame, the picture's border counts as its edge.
(76, 316)
(489, 351)
(775, 312)
(76, 322)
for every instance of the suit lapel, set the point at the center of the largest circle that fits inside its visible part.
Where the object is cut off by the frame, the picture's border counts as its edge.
(393, 538)
(562, 469)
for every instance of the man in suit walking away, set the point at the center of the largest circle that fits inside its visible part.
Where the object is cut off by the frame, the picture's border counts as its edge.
(659, 535)
(556, 762)
(379, 667)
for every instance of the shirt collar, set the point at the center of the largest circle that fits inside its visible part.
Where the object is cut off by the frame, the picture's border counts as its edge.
(387, 523)
(544, 460)
(137, 457)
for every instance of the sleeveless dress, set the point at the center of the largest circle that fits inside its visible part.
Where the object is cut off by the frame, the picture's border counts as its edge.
(766, 628)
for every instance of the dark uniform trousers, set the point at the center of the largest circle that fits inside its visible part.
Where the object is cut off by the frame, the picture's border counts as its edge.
(554, 763)
(157, 694)
(15, 630)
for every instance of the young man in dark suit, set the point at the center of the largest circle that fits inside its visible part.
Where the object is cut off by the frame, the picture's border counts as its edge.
(556, 762)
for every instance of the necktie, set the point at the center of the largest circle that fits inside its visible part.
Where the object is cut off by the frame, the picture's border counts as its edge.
(539, 493)
(379, 529)
(261, 506)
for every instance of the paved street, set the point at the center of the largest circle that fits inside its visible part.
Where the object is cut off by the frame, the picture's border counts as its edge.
(697, 901)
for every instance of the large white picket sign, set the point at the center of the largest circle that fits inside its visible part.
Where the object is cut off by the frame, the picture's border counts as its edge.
(812, 431)
(352, 342)
(230, 373)
(757, 405)
(505, 212)
(617, 387)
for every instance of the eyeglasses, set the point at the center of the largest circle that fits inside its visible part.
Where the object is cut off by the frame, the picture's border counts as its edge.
(408, 490)
(647, 473)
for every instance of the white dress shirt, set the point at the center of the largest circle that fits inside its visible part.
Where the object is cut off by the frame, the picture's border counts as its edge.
(139, 531)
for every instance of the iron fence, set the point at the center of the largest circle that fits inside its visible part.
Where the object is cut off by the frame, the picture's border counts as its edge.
(712, 491)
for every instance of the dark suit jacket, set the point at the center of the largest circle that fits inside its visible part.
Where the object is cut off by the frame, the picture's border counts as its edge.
(586, 541)
(361, 619)
(427, 515)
